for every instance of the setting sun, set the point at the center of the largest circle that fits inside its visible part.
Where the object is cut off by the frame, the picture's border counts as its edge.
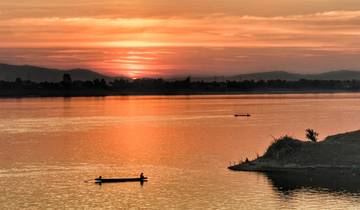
(133, 74)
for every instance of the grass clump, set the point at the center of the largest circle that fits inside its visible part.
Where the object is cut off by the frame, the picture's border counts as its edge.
(283, 147)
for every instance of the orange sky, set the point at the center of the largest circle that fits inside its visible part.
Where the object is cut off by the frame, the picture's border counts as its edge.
(164, 38)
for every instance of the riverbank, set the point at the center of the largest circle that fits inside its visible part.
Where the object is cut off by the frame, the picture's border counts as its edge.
(339, 152)
(102, 93)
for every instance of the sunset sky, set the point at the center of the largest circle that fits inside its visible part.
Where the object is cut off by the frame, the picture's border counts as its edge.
(162, 38)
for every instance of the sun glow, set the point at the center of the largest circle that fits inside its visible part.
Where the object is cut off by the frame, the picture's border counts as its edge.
(134, 71)
(135, 65)
(133, 74)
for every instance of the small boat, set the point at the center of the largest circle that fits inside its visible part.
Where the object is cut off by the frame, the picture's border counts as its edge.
(242, 115)
(114, 180)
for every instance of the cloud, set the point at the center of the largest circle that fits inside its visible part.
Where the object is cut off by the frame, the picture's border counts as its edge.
(328, 29)
(166, 8)
(214, 43)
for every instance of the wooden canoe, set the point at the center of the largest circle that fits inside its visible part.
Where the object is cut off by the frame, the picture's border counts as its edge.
(113, 180)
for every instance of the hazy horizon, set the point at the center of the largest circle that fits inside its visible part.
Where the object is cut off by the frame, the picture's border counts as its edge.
(174, 76)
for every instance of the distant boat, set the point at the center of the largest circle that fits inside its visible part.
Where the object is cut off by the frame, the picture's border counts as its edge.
(242, 115)
(114, 180)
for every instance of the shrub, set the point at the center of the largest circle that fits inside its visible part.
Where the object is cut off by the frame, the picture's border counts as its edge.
(283, 147)
(311, 135)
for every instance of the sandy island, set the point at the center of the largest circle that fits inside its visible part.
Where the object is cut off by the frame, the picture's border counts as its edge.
(338, 153)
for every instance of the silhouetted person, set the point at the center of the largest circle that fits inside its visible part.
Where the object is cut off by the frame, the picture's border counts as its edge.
(100, 177)
(142, 175)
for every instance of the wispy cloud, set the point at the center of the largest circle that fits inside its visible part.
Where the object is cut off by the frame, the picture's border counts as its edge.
(219, 43)
(328, 29)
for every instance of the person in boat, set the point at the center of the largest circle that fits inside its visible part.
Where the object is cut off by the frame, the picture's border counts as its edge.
(142, 175)
(100, 177)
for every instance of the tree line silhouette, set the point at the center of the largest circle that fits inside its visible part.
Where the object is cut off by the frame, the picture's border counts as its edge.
(68, 87)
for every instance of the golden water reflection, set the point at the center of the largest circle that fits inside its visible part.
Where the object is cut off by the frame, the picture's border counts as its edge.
(49, 146)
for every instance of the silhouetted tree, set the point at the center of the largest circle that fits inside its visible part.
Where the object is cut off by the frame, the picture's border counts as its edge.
(67, 81)
(18, 80)
(103, 83)
(311, 135)
(100, 83)
(160, 86)
(186, 83)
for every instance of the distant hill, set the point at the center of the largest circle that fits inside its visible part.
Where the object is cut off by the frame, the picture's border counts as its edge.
(272, 75)
(34, 73)
(338, 75)
(283, 75)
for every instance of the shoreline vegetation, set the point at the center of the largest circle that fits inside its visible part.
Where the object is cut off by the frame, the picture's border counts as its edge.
(338, 153)
(123, 87)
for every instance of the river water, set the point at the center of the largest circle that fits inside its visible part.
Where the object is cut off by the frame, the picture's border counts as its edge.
(50, 147)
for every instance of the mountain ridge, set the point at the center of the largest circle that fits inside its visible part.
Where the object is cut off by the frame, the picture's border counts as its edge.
(284, 75)
(34, 73)
(10, 72)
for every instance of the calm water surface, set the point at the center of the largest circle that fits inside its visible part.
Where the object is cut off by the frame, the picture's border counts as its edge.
(49, 147)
